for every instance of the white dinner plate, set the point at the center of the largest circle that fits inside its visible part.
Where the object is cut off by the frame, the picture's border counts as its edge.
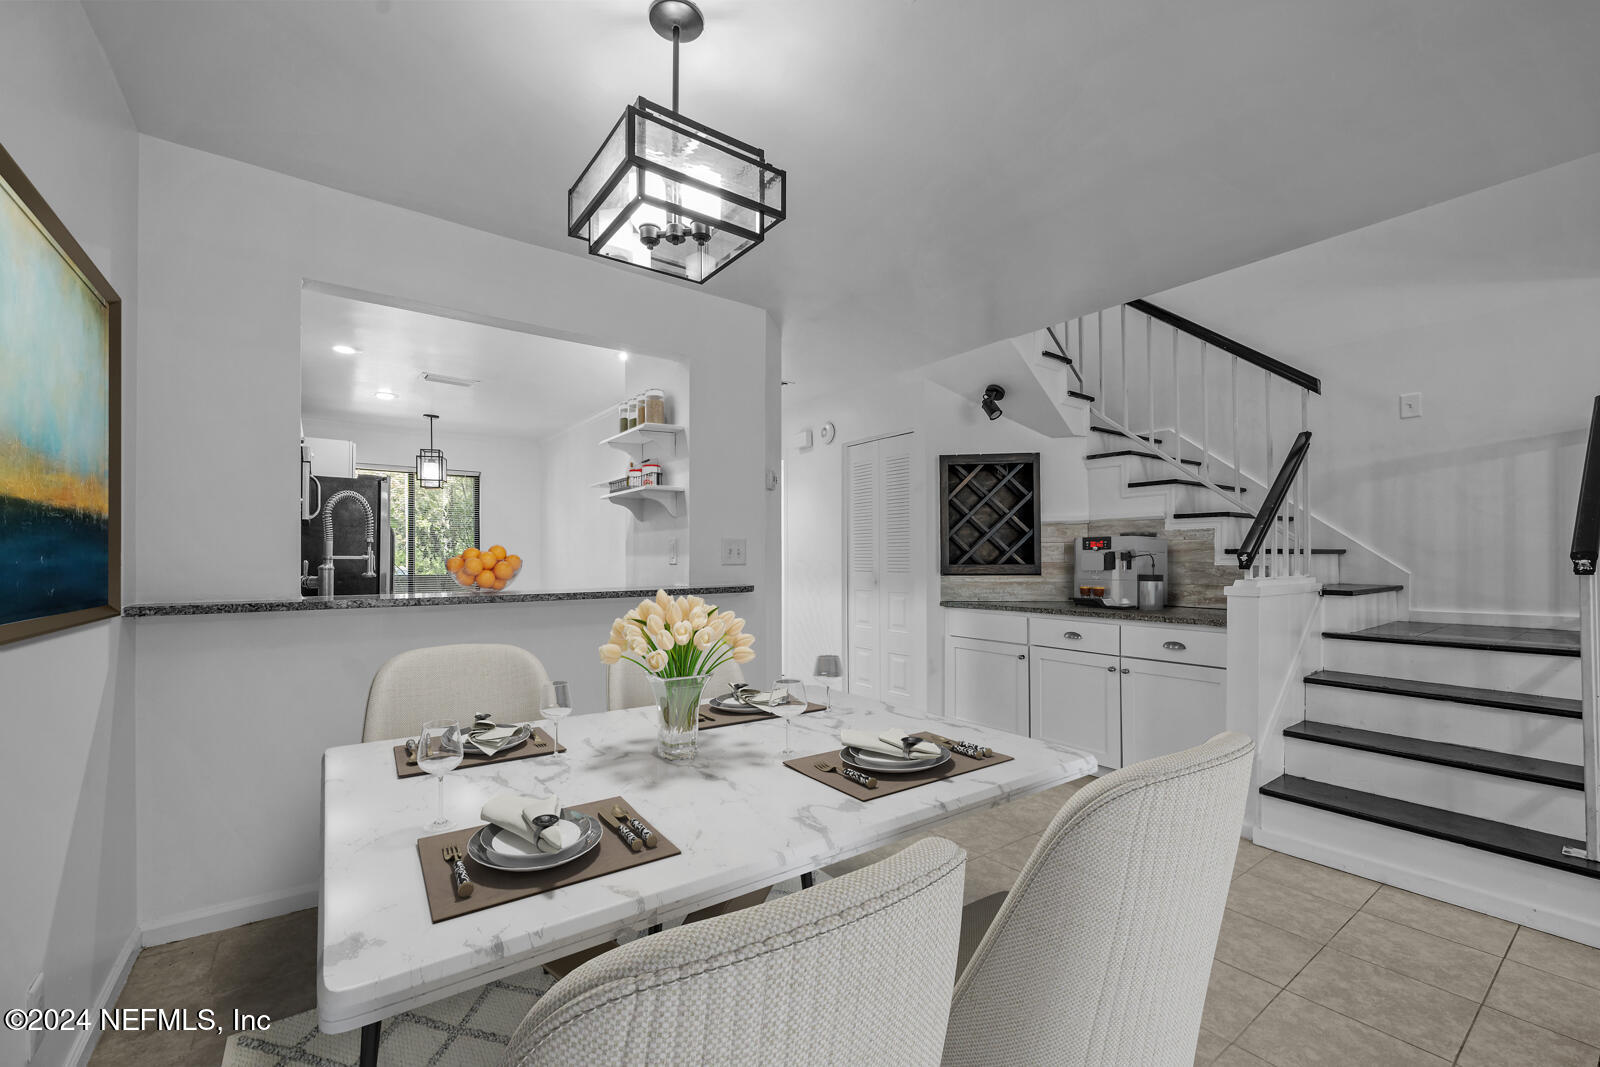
(487, 847)
(517, 737)
(878, 764)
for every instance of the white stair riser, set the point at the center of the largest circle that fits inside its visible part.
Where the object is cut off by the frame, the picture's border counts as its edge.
(1520, 733)
(1539, 807)
(1544, 898)
(1346, 613)
(1515, 672)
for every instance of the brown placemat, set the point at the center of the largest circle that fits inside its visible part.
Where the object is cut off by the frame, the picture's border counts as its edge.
(890, 783)
(502, 887)
(711, 718)
(538, 744)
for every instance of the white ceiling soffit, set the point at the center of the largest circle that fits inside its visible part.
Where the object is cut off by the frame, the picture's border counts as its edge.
(959, 172)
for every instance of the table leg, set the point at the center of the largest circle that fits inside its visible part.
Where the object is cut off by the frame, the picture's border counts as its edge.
(369, 1044)
(807, 880)
(655, 929)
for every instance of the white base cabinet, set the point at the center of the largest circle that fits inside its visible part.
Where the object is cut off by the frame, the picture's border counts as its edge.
(986, 682)
(1168, 707)
(1122, 693)
(1077, 701)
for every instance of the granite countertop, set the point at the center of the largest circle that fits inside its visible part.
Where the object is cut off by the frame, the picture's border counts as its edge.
(415, 600)
(1217, 617)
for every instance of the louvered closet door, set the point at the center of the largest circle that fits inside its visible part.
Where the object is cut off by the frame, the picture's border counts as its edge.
(888, 644)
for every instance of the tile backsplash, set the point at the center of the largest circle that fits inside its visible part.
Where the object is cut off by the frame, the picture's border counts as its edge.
(1193, 581)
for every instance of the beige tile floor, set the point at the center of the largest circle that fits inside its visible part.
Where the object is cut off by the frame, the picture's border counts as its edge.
(1313, 967)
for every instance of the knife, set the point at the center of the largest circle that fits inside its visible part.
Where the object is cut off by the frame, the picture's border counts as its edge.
(968, 748)
(627, 835)
(639, 828)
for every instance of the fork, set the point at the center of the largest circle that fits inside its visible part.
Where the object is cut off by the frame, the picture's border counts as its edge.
(849, 772)
(460, 881)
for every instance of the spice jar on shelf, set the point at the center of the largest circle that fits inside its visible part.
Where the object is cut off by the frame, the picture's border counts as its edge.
(655, 406)
(633, 411)
(635, 477)
(651, 473)
(623, 413)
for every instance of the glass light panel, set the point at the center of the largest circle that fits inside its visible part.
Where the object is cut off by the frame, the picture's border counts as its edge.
(705, 159)
(599, 171)
(430, 468)
(687, 260)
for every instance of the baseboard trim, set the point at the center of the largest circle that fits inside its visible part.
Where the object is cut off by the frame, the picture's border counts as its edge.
(228, 915)
(1539, 897)
(1494, 618)
(83, 1045)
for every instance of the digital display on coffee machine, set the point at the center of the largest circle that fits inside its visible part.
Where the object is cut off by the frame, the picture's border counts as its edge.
(1097, 544)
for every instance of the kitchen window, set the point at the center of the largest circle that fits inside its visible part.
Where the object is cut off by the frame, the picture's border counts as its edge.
(430, 526)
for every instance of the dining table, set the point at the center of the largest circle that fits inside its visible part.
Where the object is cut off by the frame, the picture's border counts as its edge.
(740, 818)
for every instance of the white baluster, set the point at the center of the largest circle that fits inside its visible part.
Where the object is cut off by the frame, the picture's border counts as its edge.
(1205, 415)
(1177, 400)
(1150, 378)
(1122, 343)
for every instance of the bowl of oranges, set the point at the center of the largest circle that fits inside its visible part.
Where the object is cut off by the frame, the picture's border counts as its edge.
(484, 570)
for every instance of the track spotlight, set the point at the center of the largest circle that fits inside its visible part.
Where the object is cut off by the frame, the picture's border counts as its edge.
(990, 395)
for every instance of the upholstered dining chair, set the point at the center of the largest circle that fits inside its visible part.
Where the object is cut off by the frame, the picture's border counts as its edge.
(1102, 950)
(859, 966)
(628, 686)
(452, 682)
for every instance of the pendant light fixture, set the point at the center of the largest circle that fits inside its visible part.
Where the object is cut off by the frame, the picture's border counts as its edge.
(669, 194)
(430, 462)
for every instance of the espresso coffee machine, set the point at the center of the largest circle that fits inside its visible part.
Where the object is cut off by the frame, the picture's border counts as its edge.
(1109, 568)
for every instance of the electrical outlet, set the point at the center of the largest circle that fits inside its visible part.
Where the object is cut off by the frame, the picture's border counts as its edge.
(1411, 405)
(672, 552)
(33, 1001)
(733, 552)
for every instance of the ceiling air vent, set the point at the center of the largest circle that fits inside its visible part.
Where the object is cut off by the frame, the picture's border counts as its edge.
(445, 379)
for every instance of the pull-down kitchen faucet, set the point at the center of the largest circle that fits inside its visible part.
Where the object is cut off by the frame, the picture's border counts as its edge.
(325, 569)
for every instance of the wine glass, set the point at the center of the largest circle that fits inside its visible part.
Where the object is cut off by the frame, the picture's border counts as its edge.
(439, 751)
(829, 670)
(788, 700)
(557, 706)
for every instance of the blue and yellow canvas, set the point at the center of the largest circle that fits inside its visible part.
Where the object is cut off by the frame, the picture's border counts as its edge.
(55, 448)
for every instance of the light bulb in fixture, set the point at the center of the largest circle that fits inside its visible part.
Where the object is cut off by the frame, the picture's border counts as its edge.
(623, 356)
(346, 350)
(384, 394)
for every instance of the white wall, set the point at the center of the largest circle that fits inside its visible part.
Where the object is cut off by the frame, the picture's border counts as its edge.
(226, 248)
(67, 905)
(1489, 305)
(945, 424)
(653, 535)
(583, 538)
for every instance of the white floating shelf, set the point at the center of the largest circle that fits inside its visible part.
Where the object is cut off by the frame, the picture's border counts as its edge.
(670, 497)
(644, 438)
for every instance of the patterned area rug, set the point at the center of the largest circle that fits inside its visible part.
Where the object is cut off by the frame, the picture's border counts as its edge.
(470, 1029)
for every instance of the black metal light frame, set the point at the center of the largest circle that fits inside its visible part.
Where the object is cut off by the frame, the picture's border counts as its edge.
(674, 20)
(431, 455)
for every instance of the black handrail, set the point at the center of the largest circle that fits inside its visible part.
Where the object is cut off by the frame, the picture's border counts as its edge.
(1251, 546)
(1586, 528)
(1229, 345)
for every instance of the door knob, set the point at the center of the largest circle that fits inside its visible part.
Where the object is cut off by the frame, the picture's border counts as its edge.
(1125, 670)
(1020, 656)
(1113, 670)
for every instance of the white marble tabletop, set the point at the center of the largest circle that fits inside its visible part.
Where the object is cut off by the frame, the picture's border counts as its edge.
(742, 819)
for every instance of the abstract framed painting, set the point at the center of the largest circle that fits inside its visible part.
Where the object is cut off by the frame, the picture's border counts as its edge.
(60, 422)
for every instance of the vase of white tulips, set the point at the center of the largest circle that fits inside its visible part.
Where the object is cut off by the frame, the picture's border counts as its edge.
(678, 643)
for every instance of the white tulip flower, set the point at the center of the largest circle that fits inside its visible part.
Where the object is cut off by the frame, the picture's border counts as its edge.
(656, 660)
(610, 653)
(743, 655)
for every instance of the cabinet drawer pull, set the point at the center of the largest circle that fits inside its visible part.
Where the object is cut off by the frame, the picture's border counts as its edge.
(1073, 635)
(1113, 670)
(1175, 646)
(1020, 656)
(1125, 670)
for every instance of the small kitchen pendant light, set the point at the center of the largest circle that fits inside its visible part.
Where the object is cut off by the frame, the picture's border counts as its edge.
(430, 462)
(671, 195)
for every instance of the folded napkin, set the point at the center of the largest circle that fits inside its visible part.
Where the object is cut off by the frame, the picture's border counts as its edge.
(885, 743)
(515, 815)
(489, 738)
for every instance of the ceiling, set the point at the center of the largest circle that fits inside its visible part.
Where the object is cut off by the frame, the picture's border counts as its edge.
(528, 386)
(959, 172)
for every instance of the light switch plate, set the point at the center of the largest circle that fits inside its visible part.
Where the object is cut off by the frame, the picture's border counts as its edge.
(733, 552)
(1411, 405)
(672, 552)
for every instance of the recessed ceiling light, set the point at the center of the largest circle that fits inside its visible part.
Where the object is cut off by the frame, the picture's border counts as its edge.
(623, 356)
(384, 394)
(346, 350)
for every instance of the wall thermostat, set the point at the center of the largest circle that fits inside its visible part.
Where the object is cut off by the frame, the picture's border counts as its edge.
(826, 433)
(802, 439)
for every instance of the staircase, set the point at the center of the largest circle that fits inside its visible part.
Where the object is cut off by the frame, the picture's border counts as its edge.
(1452, 760)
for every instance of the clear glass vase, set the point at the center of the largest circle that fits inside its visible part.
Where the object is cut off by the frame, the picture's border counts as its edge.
(678, 730)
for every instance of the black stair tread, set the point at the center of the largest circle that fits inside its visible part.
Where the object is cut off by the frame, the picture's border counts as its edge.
(1518, 842)
(1179, 481)
(1358, 589)
(1465, 757)
(1080, 396)
(1212, 515)
(1280, 551)
(1537, 640)
(1138, 453)
(1456, 694)
(1130, 436)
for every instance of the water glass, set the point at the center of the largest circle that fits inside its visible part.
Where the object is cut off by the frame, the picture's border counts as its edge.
(439, 751)
(788, 700)
(830, 670)
(557, 702)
